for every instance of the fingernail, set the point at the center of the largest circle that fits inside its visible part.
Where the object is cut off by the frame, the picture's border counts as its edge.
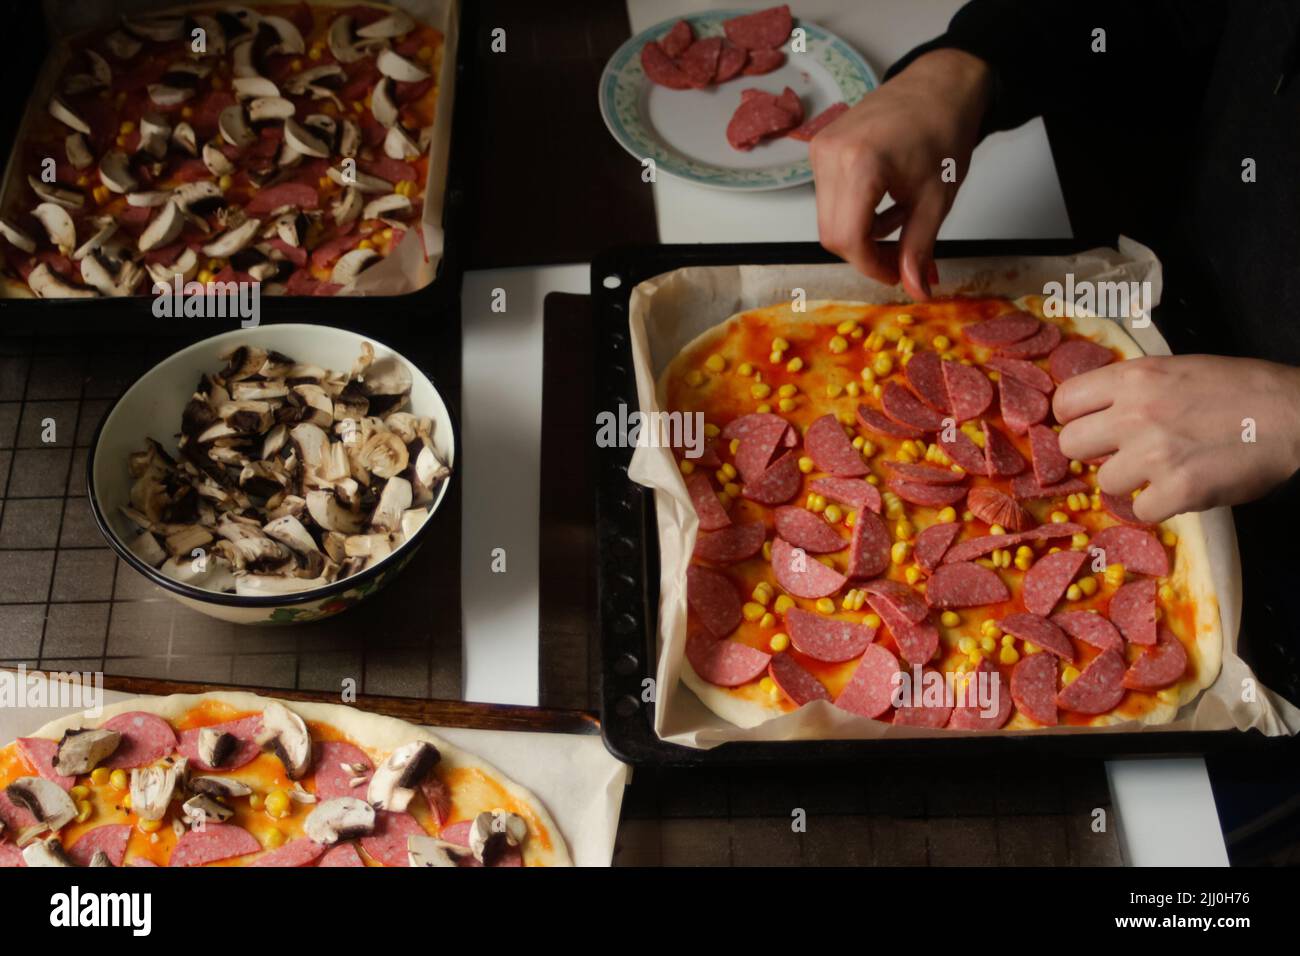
(926, 271)
(933, 272)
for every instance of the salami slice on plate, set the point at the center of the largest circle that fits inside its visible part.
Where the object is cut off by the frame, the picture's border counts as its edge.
(1033, 688)
(1138, 550)
(735, 543)
(1076, 357)
(1121, 507)
(917, 641)
(111, 838)
(925, 474)
(803, 529)
(1022, 406)
(987, 700)
(1133, 611)
(778, 484)
(801, 574)
(1037, 345)
(713, 597)
(961, 450)
(827, 639)
(759, 445)
(965, 585)
(934, 496)
(660, 68)
(1159, 666)
(700, 61)
(900, 597)
(874, 421)
(145, 739)
(868, 547)
(215, 842)
(1052, 530)
(969, 390)
(1002, 330)
(1000, 456)
(871, 688)
(708, 508)
(831, 449)
(908, 410)
(1091, 628)
(853, 492)
(731, 61)
(1022, 370)
(933, 543)
(764, 30)
(973, 548)
(1048, 578)
(1050, 465)
(1098, 688)
(1040, 632)
(725, 663)
(759, 62)
(1026, 487)
(924, 372)
(795, 682)
(677, 39)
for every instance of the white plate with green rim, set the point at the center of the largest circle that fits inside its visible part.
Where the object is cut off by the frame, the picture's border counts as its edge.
(685, 131)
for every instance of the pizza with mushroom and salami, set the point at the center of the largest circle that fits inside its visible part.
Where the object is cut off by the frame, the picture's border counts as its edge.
(285, 144)
(887, 524)
(233, 779)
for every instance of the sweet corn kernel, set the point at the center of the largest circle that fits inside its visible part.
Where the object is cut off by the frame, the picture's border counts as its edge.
(947, 515)
(732, 489)
(733, 446)
(903, 528)
(1059, 517)
(187, 112)
(745, 369)
(997, 529)
(833, 514)
(767, 621)
(794, 365)
(833, 389)
(1166, 592)
(783, 603)
(1069, 675)
(767, 685)
(711, 430)
(868, 447)
(806, 464)
(277, 803)
(852, 389)
(779, 344)
(950, 618)
(816, 503)
(871, 620)
(912, 574)
(868, 376)
(850, 519)
(729, 470)
(1168, 539)
(1115, 575)
(882, 365)
(715, 363)
(752, 611)
(846, 327)
(871, 479)
(694, 378)
(826, 605)
(119, 780)
(274, 838)
(1088, 586)
(99, 776)
(764, 408)
(838, 344)
(1024, 562)
(762, 593)
(126, 127)
(899, 551)
(975, 658)
(687, 466)
(966, 645)
(940, 342)
(149, 826)
(1008, 655)
(779, 642)
(990, 628)
(787, 404)
(80, 791)
(891, 333)
(988, 644)
(365, 244)
(767, 555)
(126, 802)
(255, 801)
(84, 810)
(760, 390)
(1008, 640)
(1073, 593)
(1032, 648)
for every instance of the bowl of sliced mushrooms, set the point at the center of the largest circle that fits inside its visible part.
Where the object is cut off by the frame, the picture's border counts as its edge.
(273, 475)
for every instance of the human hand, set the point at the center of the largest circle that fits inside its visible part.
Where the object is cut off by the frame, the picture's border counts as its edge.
(896, 140)
(1178, 425)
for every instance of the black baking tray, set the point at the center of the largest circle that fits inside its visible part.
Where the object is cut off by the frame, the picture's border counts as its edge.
(627, 550)
(421, 310)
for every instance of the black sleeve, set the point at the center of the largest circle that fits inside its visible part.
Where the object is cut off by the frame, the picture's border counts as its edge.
(1043, 52)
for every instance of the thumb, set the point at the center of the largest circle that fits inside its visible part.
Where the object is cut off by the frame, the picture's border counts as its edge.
(916, 244)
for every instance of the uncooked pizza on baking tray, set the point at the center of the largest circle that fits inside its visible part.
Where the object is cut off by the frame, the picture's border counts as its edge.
(239, 780)
(882, 492)
(291, 149)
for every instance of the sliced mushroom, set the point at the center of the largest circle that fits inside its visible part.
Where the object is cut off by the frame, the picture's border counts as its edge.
(393, 784)
(289, 40)
(308, 80)
(111, 277)
(493, 832)
(364, 182)
(44, 800)
(351, 264)
(290, 226)
(66, 115)
(200, 197)
(285, 735)
(396, 24)
(161, 29)
(44, 853)
(145, 547)
(216, 160)
(394, 204)
(201, 808)
(347, 207)
(399, 68)
(122, 45)
(341, 42)
(329, 514)
(18, 238)
(155, 132)
(216, 747)
(185, 138)
(304, 140)
(393, 502)
(385, 455)
(99, 859)
(232, 240)
(289, 531)
(58, 225)
(212, 574)
(220, 787)
(150, 199)
(57, 193)
(186, 265)
(242, 58)
(254, 87)
(430, 851)
(78, 150)
(399, 144)
(234, 127)
(167, 95)
(382, 105)
(48, 284)
(115, 172)
(266, 108)
(413, 520)
(341, 818)
(81, 751)
(349, 139)
(152, 789)
(164, 228)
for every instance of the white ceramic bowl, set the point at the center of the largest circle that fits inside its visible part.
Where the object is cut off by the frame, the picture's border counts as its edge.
(151, 408)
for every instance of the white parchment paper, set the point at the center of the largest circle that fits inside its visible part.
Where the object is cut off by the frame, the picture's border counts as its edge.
(669, 311)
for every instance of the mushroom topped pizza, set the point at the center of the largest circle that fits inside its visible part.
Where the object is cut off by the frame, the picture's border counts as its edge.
(887, 524)
(233, 779)
(281, 144)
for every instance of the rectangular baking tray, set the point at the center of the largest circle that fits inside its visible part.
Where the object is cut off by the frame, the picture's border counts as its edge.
(627, 549)
(430, 304)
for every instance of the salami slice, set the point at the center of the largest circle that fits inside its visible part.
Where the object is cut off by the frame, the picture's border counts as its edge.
(1050, 465)
(271, 198)
(925, 374)
(1138, 550)
(725, 663)
(899, 597)
(917, 641)
(1000, 456)
(991, 706)
(1133, 610)
(345, 854)
(965, 585)
(1003, 330)
(934, 496)
(933, 713)
(826, 638)
(853, 492)
(677, 39)
(714, 599)
(1120, 507)
(801, 574)
(778, 484)
(245, 730)
(14, 817)
(1046, 581)
(1033, 688)
(906, 409)
(758, 62)
(831, 449)
(1036, 346)
(700, 61)
(1022, 371)
(925, 474)
(812, 127)
(1022, 406)
(962, 451)
(438, 796)
(11, 857)
(759, 446)
(795, 682)
(870, 690)
(1159, 666)
(764, 30)
(969, 390)
(299, 852)
(1093, 629)
(760, 117)
(933, 543)
(803, 529)
(1040, 632)
(335, 762)
(1027, 487)
(387, 844)
(974, 548)
(747, 425)
(458, 833)
(874, 421)
(40, 753)
(1076, 357)
(868, 547)
(145, 738)
(1051, 530)
(994, 507)
(112, 839)
(215, 842)
(659, 68)
(738, 542)
(731, 61)
(708, 508)
(1098, 688)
